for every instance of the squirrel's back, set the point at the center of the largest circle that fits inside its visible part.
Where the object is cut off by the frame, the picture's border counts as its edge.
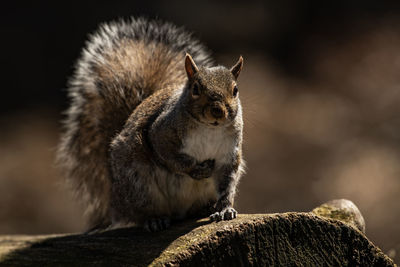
(122, 64)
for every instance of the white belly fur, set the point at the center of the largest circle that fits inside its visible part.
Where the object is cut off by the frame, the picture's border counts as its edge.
(206, 143)
(178, 194)
(174, 195)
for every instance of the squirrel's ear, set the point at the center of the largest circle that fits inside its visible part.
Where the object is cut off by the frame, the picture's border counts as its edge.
(190, 66)
(237, 67)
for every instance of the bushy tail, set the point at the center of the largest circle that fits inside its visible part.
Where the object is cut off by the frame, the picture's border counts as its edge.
(122, 64)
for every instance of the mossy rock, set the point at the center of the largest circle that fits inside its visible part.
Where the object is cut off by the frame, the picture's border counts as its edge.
(287, 239)
(343, 210)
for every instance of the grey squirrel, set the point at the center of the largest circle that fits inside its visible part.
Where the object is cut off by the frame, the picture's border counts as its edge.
(154, 132)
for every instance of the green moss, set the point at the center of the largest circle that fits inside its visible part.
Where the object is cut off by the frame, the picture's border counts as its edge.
(331, 212)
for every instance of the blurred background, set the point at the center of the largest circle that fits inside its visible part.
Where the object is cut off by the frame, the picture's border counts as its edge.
(320, 90)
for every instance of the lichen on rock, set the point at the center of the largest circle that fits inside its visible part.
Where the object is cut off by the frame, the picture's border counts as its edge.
(343, 210)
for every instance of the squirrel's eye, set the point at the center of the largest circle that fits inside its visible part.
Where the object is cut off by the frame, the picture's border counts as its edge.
(235, 91)
(196, 90)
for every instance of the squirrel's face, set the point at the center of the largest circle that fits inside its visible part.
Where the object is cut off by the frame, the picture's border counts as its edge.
(212, 93)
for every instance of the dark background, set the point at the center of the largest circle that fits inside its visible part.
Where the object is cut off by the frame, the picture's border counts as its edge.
(320, 90)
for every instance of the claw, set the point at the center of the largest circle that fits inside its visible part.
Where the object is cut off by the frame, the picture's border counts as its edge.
(230, 214)
(225, 214)
(216, 217)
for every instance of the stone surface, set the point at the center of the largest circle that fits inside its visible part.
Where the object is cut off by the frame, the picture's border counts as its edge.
(343, 210)
(287, 239)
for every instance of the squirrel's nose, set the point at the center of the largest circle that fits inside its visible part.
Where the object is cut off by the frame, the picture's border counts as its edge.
(217, 112)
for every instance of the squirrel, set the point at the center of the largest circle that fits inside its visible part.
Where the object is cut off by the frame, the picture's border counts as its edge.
(153, 133)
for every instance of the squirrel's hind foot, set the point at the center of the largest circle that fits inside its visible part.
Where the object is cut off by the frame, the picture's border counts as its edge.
(226, 214)
(157, 224)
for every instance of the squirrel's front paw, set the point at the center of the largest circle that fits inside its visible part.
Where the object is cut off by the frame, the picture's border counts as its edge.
(203, 169)
(225, 214)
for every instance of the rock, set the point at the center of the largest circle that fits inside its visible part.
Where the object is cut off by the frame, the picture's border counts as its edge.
(287, 239)
(343, 210)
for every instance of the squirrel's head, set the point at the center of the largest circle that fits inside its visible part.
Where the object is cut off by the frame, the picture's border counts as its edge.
(212, 93)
